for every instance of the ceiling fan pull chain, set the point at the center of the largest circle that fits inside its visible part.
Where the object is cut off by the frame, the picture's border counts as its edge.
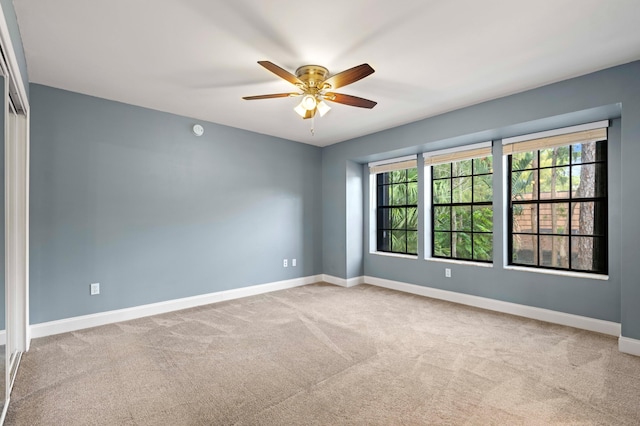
(313, 118)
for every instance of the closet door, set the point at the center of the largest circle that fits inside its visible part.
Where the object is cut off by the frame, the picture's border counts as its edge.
(14, 258)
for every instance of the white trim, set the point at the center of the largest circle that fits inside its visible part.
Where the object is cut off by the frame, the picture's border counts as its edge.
(571, 274)
(342, 282)
(373, 216)
(556, 132)
(459, 262)
(391, 254)
(12, 64)
(3, 339)
(102, 318)
(629, 346)
(392, 160)
(554, 317)
(479, 145)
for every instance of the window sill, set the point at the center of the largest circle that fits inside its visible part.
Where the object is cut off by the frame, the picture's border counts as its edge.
(459, 262)
(571, 274)
(401, 256)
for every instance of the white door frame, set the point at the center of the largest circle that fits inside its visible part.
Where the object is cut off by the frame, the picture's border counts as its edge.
(16, 206)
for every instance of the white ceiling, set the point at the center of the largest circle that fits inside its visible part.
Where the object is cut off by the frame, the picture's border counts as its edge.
(197, 58)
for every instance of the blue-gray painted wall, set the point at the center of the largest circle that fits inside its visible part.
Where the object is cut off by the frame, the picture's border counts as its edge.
(609, 94)
(130, 198)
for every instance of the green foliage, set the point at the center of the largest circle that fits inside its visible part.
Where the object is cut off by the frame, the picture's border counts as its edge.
(400, 193)
(463, 231)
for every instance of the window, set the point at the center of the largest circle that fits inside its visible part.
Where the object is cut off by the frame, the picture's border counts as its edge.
(558, 201)
(462, 203)
(397, 207)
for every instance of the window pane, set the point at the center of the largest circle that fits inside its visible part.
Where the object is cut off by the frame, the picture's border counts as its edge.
(442, 218)
(588, 152)
(482, 188)
(523, 185)
(462, 168)
(441, 171)
(412, 193)
(558, 156)
(588, 254)
(554, 218)
(588, 181)
(523, 160)
(483, 247)
(384, 240)
(399, 241)
(398, 195)
(525, 249)
(442, 244)
(441, 191)
(462, 248)
(483, 165)
(589, 218)
(399, 218)
(554, 183)
(412, 218)
(412, 174)
(462, 190)
(461, 219)
(412, 242)
(483, 219)
(554, 251)
(525, 218)
(397, 176)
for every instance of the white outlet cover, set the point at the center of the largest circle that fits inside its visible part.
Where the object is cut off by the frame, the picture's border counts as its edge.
(95, 289)
(285, 263)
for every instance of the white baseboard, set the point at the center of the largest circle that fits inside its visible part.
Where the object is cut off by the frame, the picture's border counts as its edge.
(629, 346)
(547, 315)
(86, 321)
(342, 282)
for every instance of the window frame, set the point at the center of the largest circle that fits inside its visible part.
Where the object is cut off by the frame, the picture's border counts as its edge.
(381, 208)
(600, 224)
(433, 205)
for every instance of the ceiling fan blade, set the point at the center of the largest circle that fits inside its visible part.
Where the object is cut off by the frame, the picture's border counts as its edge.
(282, 73)
(349, 76)
(274, 95)
(349, 100)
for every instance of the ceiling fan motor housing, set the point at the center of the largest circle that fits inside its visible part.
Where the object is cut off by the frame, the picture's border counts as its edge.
(312, 75)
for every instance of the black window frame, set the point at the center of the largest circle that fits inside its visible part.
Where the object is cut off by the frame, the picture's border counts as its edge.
(452, 205)
(384, 226)
(600, 225)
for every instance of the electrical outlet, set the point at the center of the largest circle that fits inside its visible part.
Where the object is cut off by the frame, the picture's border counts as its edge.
(94, 289)
(285, 263)
(293, 262)
(447, 272)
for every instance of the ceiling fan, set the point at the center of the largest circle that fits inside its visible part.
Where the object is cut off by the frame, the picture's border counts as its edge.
(316, 84)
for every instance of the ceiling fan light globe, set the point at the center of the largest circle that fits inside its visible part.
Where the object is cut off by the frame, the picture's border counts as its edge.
(308, 102)
(323, 108)
(300, 110)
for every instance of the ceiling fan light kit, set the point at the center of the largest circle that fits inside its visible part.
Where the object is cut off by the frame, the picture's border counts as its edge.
(314, 82)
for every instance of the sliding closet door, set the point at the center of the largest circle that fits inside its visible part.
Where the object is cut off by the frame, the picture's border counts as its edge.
(14, 259)
(3, 334)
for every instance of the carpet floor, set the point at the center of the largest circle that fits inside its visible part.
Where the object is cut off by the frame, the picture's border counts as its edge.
(326, 355)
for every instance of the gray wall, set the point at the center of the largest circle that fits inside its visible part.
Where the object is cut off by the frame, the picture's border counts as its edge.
(611, 93)
(130, 198)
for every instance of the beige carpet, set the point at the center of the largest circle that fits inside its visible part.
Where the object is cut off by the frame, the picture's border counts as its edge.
(325, 355)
